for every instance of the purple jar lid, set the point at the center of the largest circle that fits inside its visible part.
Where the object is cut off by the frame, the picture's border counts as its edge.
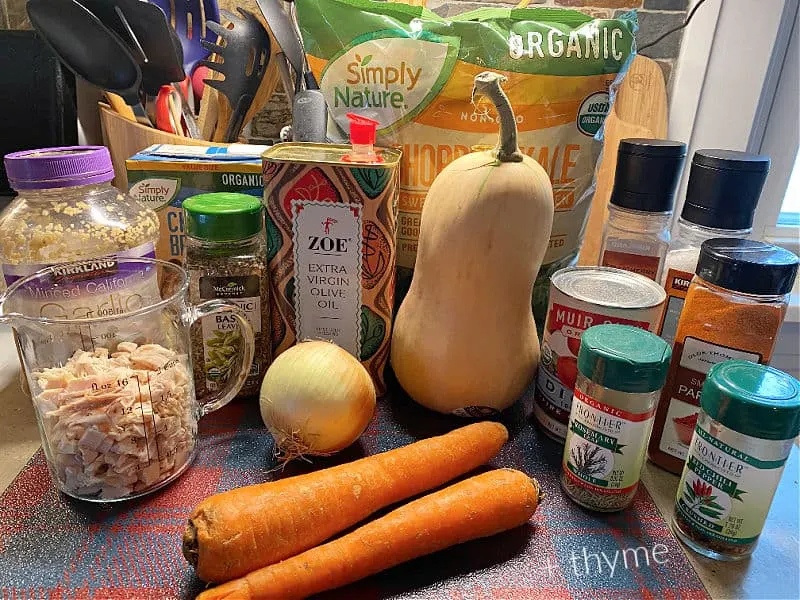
(68, 166)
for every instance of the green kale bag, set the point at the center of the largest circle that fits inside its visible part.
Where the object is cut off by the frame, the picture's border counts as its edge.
(412, 71)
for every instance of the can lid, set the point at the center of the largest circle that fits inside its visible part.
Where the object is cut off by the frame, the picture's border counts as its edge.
(724, 188)
(753, 399)
(647, 174)
(222, 216)
(607, 286)
(624, 358)
(58, 167)
(747, 266)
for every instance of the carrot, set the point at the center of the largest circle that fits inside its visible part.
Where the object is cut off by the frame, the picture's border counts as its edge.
(235, 532)
(477, 507)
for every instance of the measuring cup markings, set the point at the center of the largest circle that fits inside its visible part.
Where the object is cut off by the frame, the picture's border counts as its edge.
(104, 437)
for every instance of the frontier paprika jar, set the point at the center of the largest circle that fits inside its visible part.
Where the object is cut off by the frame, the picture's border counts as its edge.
(734, 308)
(749, 419)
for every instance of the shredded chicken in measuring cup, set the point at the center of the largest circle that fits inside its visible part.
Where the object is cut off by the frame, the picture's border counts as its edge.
(117, 424)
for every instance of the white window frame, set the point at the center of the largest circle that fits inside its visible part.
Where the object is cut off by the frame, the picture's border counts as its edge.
(728, 92)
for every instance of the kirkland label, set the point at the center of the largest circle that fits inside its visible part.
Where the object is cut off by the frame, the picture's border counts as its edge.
(676, 284)
(727, 486)
(606, 445)
(222, 338)
(685, 382)
(87, 289)
(327, 259)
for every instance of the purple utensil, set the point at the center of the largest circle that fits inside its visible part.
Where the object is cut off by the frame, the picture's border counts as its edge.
(188, 18)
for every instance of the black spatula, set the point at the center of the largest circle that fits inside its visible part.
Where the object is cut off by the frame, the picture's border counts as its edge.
(245, 56)
(89, 49)
(152, 42)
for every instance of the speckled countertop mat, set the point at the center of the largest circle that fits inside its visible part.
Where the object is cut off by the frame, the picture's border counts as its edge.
(54, 547)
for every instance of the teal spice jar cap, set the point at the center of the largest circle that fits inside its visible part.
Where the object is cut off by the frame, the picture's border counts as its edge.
(753, 399)
(222, 216)
(624, 358)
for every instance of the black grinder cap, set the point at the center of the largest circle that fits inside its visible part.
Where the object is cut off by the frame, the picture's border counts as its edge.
(747, 266)
(724, 188)
(647, 174)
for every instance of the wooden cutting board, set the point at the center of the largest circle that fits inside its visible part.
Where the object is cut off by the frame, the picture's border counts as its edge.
(639, 111)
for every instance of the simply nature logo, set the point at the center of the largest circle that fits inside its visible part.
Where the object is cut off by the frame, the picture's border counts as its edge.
(386, 79)
(383, 85)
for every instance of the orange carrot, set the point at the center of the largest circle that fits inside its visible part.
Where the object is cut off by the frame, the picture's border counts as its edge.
(477, 507)
(235, 532)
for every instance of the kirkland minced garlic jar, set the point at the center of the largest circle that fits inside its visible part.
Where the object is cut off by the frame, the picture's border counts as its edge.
(67, 210)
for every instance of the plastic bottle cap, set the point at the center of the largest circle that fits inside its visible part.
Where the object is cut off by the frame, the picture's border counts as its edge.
(747, 266)
(624, 358)
(753, 399)
(724, 188)
(222, 216)
(66, 166)
(362, 130)
(647, 174)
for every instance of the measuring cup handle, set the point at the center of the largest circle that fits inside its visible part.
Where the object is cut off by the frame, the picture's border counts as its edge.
(215, 307)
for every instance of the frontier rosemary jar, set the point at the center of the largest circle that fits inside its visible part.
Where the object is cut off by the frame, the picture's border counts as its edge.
(226, 257)
(621, 369)
(749, 419)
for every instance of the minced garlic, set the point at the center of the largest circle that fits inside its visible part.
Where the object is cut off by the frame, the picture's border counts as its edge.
(43, 227)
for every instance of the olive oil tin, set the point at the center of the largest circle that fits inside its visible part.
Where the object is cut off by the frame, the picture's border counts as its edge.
(581, 297)
(331, 231)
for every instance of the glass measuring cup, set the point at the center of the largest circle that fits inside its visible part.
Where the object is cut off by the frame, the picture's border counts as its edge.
(105, 348)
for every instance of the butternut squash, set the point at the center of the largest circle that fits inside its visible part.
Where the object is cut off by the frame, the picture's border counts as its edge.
(464, 338)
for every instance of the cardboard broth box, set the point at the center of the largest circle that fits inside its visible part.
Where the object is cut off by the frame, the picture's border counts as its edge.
(163, 176)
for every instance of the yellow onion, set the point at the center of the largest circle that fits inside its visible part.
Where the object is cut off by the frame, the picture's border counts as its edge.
(316, 399)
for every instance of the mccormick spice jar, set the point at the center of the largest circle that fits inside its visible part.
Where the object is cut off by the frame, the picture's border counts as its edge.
(226, 257)
(721, 197)
(749, 419)
(734, 309)
(636, 234)
(581, 297)
(621, 370)
(331, 231)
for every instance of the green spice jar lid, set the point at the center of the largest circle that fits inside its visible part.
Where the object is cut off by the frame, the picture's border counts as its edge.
(222, 216)
(753, 399)
(624, 358)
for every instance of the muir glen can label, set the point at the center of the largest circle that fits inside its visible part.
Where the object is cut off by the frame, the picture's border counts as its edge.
(580, 298)
(331, 230)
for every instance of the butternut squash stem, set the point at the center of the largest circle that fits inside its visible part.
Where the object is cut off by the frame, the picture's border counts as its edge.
(487, 84)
